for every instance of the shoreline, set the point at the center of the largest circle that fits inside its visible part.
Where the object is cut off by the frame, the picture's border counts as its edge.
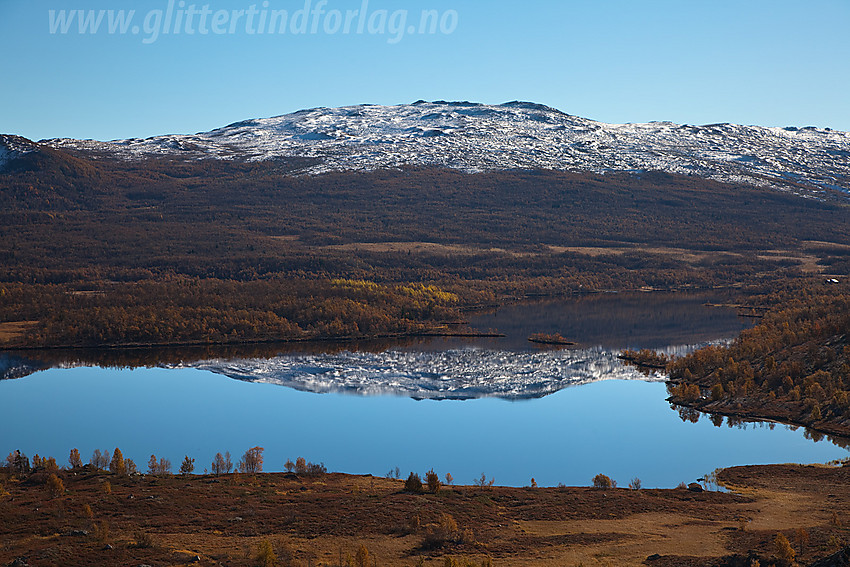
(823, 428)
(250, 342)
(504, 301)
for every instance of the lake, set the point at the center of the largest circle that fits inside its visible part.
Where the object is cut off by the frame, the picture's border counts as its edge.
(500, 406)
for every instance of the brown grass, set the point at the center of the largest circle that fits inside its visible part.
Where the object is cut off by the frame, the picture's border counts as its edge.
(421, 248)
(12, 330)
(223, 520)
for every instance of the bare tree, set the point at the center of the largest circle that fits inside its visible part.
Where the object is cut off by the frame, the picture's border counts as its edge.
(18, 463)
(99, 460)
(160, 468)
(218, 464)
(483, 482)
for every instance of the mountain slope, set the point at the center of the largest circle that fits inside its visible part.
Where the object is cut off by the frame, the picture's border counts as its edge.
(13, 148)
(163, 250)
(35, 176)
(517, 135)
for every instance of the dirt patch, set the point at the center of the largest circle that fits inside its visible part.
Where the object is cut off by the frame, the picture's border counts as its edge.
(681, 254)
(13, 330)
(422, 248)
(808, 262)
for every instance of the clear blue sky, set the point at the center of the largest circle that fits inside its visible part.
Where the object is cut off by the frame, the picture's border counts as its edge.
(767, 62)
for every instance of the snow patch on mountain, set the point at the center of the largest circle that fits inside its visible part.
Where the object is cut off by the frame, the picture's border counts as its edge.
(475, 137)
(12, 147)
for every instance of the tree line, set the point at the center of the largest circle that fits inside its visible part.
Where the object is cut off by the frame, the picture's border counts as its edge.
(184, 310)
(114, 462)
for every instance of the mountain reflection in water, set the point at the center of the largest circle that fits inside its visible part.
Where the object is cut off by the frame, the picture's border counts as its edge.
(454, 374)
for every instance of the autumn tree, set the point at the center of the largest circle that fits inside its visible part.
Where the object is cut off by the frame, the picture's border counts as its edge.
(265, 554)
(117, 465)
(252, 461)
(300, 465)
(433, 481)
(413, 483)
(362, 557)
(441, 533)
(783, 549)
(50, 465)
(802, 539)
(717, 392)
(316, 469)
(55, 486)
(74, 459)
(47, 464)
(603, 481)
(187, 466)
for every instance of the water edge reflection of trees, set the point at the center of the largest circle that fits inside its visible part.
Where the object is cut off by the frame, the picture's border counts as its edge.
(692, 415)
(793, 366)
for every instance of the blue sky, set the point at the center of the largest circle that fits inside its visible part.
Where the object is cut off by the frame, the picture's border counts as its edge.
(772, 63)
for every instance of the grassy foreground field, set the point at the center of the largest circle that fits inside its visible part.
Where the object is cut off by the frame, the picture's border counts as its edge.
(332, 519)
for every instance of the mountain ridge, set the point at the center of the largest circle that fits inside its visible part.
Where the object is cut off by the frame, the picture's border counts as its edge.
(475, 137)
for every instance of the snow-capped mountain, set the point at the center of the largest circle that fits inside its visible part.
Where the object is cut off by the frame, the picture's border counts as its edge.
(477, 137)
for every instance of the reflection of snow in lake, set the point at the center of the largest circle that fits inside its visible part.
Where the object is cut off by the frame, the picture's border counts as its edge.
(449, 374)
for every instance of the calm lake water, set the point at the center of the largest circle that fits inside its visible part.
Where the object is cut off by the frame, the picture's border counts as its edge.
(498, 406)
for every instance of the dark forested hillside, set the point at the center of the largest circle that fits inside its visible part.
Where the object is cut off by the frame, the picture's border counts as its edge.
(82, 236)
